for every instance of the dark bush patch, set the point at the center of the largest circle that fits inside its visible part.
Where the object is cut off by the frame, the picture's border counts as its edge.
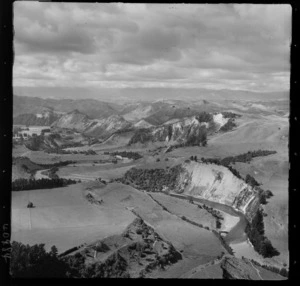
(255, 232)
(152, 180)
(31, 184)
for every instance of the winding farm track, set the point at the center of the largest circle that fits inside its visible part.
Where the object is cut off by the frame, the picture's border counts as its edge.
(258, 273)
(25, 154)
(201, 267)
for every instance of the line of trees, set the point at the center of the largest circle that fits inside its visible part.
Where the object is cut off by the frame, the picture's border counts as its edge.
(251, 181)
(128, 154)
(244, 158)
(256, 234)
(32, 184)
(281, 271)
(215, 213)
(57, 164)
(228, 114)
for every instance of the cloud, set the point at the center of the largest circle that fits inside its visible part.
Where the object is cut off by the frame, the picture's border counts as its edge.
(67, 44)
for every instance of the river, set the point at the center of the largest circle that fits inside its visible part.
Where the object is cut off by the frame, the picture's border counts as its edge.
(236, 237)
(237, 233)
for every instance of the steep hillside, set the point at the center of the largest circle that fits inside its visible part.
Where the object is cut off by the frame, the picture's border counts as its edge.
(142, 124)
(210, 182)
(135, 253)
(42, 142)
(22, 167)
(188, 131)
(137, 111)
(45, 118)
(118, 139)
(100, 128)
(172, 112)
(105, 127)
(218, 184)
(270, 131)
(73, 120)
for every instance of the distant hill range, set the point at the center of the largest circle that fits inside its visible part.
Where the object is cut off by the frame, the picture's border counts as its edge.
(125, 95)
(35, 105)
(169, 121)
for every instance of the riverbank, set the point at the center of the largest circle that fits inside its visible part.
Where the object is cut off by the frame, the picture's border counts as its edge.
(236, 232)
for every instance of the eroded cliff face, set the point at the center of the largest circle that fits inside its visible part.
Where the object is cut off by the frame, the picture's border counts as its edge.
(179, 131)
(190, 130)
(183, 131)
(217, 183)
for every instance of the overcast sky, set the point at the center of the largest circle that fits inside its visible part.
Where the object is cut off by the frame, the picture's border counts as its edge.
(152, 45)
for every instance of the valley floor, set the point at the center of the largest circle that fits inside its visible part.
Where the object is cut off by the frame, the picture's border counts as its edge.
(66, 218)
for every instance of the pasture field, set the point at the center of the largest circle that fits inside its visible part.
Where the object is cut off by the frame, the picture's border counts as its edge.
(63, 217)
(196, 244)
(272, 173)
(182, 207)
(104, 171)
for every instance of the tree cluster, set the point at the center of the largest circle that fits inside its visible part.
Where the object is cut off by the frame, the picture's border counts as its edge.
(152, 180)
(194, 158)
(244, 158)
(255, 232)
(264, 196)
(216, 214)
(251, 181)
(32, 184)
(34, 261)
(204, 117)
(229, 125)
(35, 143)
(128, 154)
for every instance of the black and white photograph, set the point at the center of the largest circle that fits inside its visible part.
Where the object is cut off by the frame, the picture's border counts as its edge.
(150, 141)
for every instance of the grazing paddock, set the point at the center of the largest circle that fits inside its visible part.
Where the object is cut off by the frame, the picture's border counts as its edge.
(63, 217)
(194, 242)
(106, 172)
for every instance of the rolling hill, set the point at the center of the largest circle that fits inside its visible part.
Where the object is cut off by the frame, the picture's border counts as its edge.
(99, 128)
(93, 108)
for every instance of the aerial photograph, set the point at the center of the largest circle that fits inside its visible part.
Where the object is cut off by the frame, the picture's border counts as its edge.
(150, 141)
